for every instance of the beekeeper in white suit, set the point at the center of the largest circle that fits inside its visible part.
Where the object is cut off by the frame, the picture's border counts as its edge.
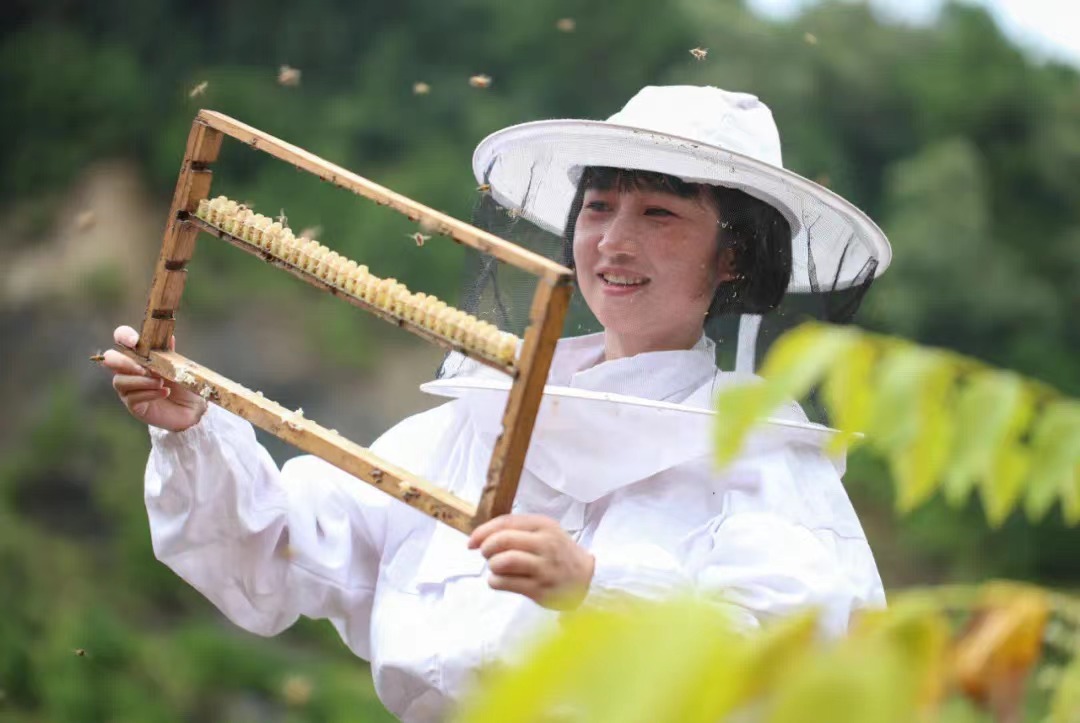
(673, 212)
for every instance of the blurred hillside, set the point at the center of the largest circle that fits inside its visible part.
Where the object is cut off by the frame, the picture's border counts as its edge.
(966, 152)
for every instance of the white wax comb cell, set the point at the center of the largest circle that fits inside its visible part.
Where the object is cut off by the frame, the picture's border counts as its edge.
(389, 295)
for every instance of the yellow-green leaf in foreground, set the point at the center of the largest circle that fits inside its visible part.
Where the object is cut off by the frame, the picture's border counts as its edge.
(859, 681)
(887, 670)
(1002, 487)
(903, 374)
(635, 665)
(802, 357)
(763, 660)
(938, 418)
(1065, 707)
(794, 364)
(848, 392)
(917, 466)
(1003, 484)
(1055, 456)
(918, 630)
(737, 409)
(984, 406)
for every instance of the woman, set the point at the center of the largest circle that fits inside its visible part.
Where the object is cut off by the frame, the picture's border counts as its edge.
(674, 211)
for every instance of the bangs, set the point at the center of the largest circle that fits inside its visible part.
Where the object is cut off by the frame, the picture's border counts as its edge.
(603, 178)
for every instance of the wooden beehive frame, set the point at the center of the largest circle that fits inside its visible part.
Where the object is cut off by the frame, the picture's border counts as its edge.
(529, 371)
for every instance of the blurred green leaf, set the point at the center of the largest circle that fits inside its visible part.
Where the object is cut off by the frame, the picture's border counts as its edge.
(984, 406)
(1055, 458)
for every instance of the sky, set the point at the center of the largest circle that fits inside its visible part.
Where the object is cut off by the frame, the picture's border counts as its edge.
(1046, 29)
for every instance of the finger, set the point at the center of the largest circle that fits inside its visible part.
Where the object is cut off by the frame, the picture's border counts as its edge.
(172, 343)
(147, 395)
(511, 540)
(529, 523)
(121, 364)
(126, 336)
(515, 563)
(125, 383)
(526, 586)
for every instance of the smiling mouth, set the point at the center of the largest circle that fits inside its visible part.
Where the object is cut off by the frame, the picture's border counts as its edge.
(623, 281)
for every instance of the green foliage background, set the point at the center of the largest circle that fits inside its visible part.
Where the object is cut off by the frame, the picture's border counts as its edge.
(963, 149)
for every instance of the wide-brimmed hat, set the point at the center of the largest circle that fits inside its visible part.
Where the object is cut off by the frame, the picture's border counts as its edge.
(700, 135)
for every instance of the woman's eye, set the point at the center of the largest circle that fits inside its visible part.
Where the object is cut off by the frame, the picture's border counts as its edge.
(658, 211)
(597, 206)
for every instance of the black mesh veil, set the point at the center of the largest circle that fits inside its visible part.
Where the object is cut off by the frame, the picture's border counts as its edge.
(530, 195)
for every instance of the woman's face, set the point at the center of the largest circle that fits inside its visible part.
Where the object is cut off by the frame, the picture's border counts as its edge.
(648, 265)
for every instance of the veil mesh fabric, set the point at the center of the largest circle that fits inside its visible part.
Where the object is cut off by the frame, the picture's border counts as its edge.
(526, 197)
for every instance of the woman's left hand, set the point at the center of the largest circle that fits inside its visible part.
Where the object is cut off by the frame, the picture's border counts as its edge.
(532, 556)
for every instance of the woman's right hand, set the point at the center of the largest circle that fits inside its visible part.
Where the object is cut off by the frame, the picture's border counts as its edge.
(150, 398)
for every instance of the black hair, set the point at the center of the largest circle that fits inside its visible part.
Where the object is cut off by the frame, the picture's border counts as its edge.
(756, 232)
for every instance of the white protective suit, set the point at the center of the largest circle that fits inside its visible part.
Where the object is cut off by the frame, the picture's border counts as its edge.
(772, 533)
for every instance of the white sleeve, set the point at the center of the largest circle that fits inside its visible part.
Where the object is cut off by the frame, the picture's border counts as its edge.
(787, 540)
(640, 570)
(767, 567)
(755, 566)
(265, 546)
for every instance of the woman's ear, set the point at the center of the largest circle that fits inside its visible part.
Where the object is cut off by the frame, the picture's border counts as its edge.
(725, 266)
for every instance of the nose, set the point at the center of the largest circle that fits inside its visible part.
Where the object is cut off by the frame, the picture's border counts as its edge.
(620, 235)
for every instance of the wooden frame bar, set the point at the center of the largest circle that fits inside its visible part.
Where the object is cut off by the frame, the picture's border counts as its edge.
(529, 371)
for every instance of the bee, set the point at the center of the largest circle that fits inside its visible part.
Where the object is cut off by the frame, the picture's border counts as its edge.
(81, 652)
(566, 25)
(419, 238)
(282, 218)
(421, 88)
(288, 76)
(480, 81)
(810, 39)
(699, 53)
(199, 89)
(99, 357)
(295, 419)
(484, 188)
(85, 221)
(311, 232)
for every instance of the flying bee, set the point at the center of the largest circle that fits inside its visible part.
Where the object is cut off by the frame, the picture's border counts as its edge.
(311, 232)
(419, 238)
(199, 89)
(566, 25)
(421, 88)
(288, 76)
(282, 218)
(85, 221)
(810, 39)
(699, 53)
(484, 188)
(480, 81)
